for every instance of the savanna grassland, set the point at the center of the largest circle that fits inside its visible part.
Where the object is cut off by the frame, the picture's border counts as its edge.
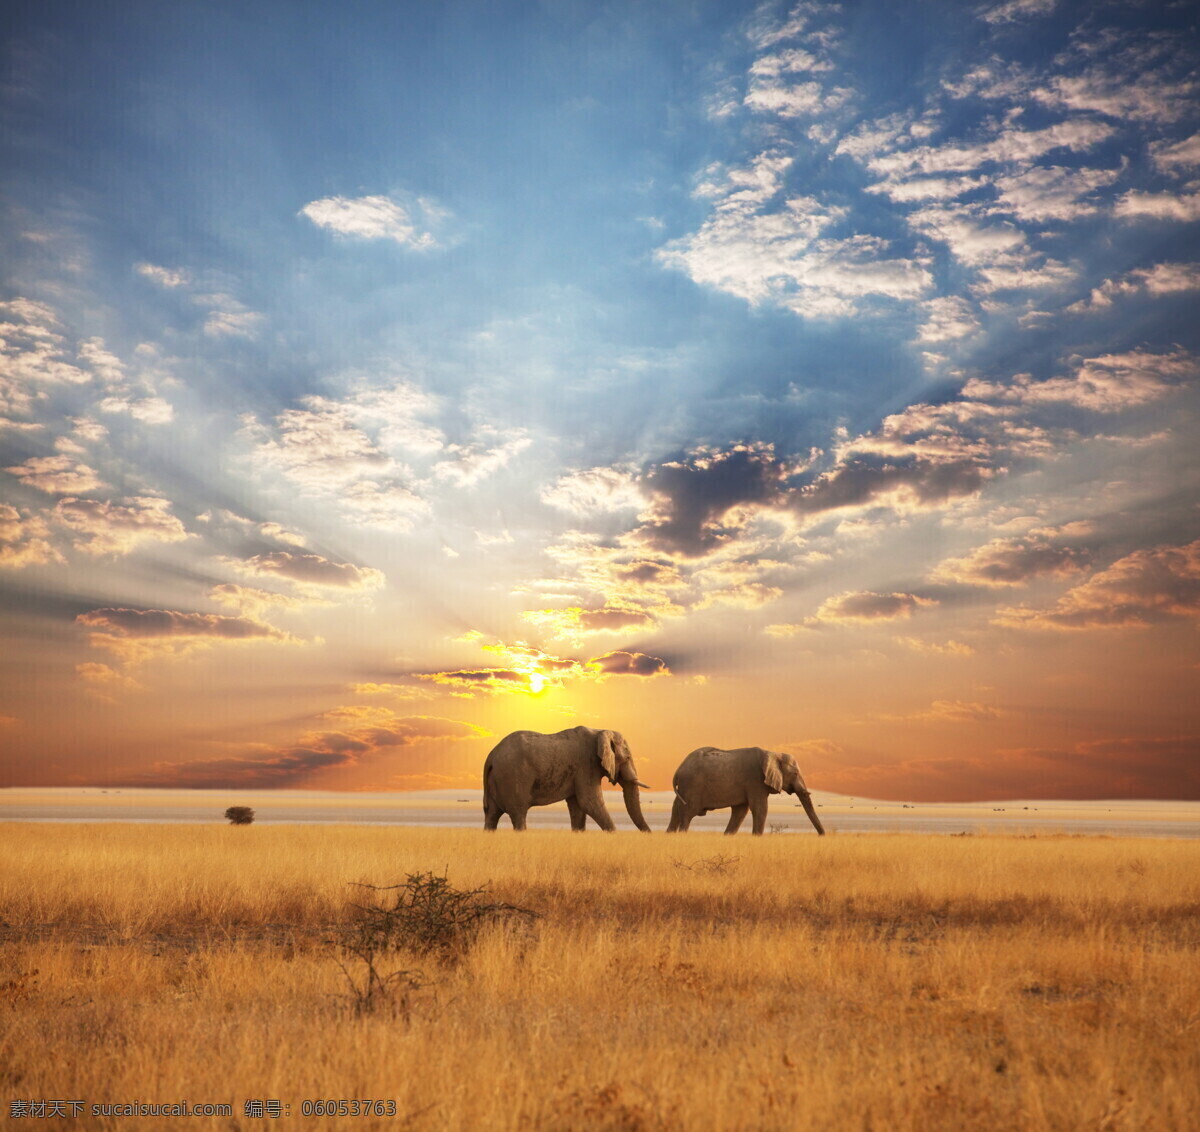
(693, 982)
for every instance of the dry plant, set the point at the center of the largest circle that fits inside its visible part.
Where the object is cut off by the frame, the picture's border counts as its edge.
(425, 916)
(895, 981)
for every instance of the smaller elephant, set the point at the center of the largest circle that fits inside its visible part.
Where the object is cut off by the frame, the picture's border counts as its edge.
(711, 779)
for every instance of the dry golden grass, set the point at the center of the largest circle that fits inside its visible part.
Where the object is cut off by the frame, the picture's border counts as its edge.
(882, 982)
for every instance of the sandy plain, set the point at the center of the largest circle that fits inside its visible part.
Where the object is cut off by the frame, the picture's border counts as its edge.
(463, 809)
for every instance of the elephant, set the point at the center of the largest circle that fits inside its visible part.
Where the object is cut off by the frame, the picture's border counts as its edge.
(711, 779)
(528, 768)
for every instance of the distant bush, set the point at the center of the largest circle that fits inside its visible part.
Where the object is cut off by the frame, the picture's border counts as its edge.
(239, 815)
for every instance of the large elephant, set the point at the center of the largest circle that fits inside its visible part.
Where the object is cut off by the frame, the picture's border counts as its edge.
(527, 769)
(711, 779)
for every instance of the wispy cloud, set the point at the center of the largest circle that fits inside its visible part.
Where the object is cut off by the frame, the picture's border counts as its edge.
(377, 218)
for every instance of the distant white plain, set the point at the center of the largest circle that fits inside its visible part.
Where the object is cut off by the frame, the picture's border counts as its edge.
(463, 808)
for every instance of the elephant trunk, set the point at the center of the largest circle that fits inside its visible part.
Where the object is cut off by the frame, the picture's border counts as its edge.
(806, 801)
(633, 803)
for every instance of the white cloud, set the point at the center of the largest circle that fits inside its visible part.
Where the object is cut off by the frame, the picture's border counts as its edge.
(971, 238)
(1122, 89)
(1183, 207)
(1108, 384)
(776, 255)
(947, 318)
(227, 317)
(794, 100)
(1012, 10)
(1161, 279)
(105, 527)
(31, 356)
(373, 218)
(1010, 145)
(24, 540)
(56, 475)
(1053, 192)
(472, 463)
(1172, 156)
(595, 490)
(927, 188)
(322, 449)
(321, 446)
(149, 410)
(164, 276)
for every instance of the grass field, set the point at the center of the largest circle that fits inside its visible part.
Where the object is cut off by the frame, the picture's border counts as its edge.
(693, 982)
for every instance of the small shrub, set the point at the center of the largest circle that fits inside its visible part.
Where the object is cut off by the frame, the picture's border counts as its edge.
(239, 815)
(428, 916)
(714, 866)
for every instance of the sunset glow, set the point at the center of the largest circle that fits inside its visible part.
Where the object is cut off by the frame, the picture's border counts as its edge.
(818, 377)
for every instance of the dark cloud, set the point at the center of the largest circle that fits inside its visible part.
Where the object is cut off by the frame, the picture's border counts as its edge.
(312, 569)
(480, 680)
(150, 623)
(867, 606)
(595, 620)
(1011, 562)
(647, 572)
(620, 663)
(694, 497)
(866, 480)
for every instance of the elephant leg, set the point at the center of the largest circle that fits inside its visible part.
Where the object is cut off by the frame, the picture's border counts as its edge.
(491, 815)
(578, 817)
(736, 817)
(678, 822)
(758, 813)
(517, 816)
(595, 809)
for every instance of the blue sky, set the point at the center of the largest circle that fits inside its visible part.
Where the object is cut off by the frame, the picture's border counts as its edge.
(816, 376)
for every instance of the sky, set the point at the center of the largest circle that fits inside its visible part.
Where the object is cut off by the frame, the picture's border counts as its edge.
(379, 379)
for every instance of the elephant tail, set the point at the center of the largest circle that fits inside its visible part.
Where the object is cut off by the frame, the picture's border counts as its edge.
(675, 787)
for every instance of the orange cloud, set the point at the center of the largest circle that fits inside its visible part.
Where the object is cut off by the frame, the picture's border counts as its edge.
(135, 634)
(117, 528)
(317, 751)
(312, 570)
(530, 670)
(862, 607)
(55, 475)
(1147, 586)
(1011, 562)
(24, 541)
(620, 663)
(102, 682)
(573, 622)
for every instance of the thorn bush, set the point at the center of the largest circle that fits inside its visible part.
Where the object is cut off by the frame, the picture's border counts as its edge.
(427, 915)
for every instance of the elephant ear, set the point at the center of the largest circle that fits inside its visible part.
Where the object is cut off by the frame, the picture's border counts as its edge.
(606, 754)
(772, 775)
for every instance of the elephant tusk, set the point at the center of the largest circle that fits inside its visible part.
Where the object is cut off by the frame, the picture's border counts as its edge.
(643, 786)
